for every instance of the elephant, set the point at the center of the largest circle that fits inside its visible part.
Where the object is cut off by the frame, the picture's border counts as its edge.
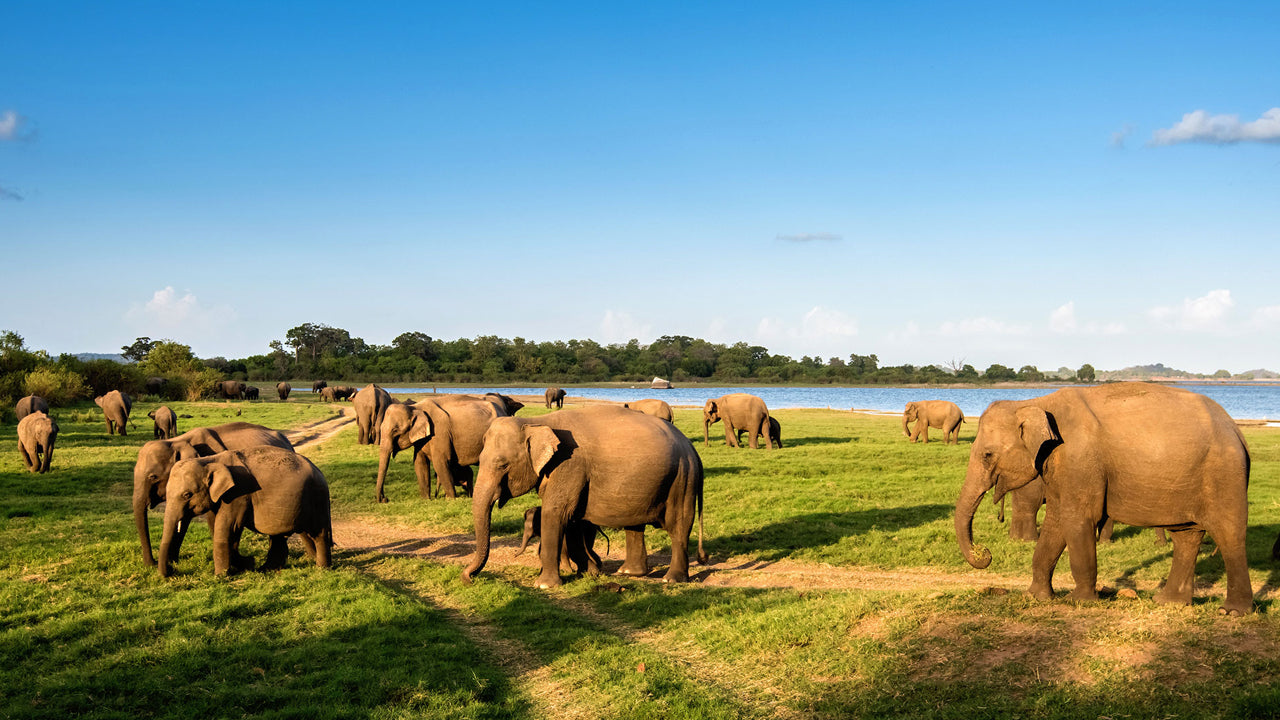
(156, 385)
(657, 408)
(446, 432)
(282, 389)
(116, 407)
(509, 404)
(603, 464)
(31, 404)
(1026, 505)
(578, 554)
(251, 392)
(166, 422)
(156, 459)
(1146, 455)
(318, 385)
(328, 394)
(344, 392)
(555, 396)
(775, 433)
(942, 414)
(270, 490)
(370, 402)
(738, 410)
(232, 389)
(37, 434)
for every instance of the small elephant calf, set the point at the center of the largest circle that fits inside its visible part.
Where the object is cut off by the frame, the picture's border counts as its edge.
(166, 423)
(37, 433)
(577, 550)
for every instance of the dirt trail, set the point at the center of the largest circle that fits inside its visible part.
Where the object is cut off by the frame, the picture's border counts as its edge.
(318, 432)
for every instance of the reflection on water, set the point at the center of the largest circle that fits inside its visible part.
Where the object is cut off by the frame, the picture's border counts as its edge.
(1255, 402)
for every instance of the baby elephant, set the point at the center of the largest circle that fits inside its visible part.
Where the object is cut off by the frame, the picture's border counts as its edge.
(577, 548)
(166, 422)
(36, 435)
(775, 432)
(269, 490)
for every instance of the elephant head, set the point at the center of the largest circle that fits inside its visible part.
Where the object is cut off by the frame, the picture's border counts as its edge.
(151, 480)
(403, 426)
(1009, 452)
(909, 416)
(710, 416)
(195, 488)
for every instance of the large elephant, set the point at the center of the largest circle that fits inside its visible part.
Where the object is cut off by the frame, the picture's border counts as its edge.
(37, 433)
(578, 554)
(555, 397)
(232, 389)
(318, 385)
(775, 433)
(328, 394)
(116, 407)
(157, 457)
(657, 408)
(371, 403)
(446, 433)
(604, 464)
(282, 389)
(344, 392)
(166, 423)
(1146, 455)
(737, 410)
(269, 490)
(942, 414)
(509, 404)
(1026, 506)
(31, 404)
(156, 385)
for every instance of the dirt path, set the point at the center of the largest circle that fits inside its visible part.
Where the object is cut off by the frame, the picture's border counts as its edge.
(318, 432)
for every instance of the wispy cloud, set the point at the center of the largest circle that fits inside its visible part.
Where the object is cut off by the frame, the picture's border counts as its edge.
(7, 194)
(811, 237)
(822, 329)
(621, 327)
(168, 313)
(1063, 321)
(1202, 313)
(14, 126)
(1201, 127)
(1119, 137)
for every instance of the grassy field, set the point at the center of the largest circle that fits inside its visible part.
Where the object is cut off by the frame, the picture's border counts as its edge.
(836, 590)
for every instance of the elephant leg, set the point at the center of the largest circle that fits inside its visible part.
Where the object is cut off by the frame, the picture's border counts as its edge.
(553, 537)
(308, 545)
(1239, 589)
(324, 548)
(1162, 538)
(1048, 549)
(1026, 506)
(730, 436)
(1082, 545)
(679, 533)
(1177, 587)
(753, 437)
(1106, 531)
(278, 553)
(422, 471)
(637, 562)
(27, 460)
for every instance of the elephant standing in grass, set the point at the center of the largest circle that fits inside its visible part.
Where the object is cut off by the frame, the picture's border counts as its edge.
(775, 433)
(156, 385)
(446, 433)
(345, 392)
(1146, 455)
(657, 408)
(371, 403)
(166, 423)
(269, 490)
(116, 407)
(230, 389)
(37, 433)
(1026, 506)
(327, 395)
(738, 411)
(282, 389)
(578, 554)
(318, 385)
(251, 392)
(555, 397)
(603, 464)
(942, 414)
(157, 457)
(31, 404)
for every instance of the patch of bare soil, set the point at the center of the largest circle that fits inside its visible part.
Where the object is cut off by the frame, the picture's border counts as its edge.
(318, 432)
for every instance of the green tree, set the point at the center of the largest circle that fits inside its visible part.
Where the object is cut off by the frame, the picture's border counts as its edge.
(998, 373)
(414, 344)
(138, 351)
(1085, 373)
(1029, 373)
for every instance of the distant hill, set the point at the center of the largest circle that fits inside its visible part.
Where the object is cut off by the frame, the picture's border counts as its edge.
(1159, 371)
(86, 357)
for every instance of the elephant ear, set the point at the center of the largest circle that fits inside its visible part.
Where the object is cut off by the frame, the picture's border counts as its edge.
(1035, 428)
(98, 400)
(543, 444)
(420, 429)
(220, 481)
(709, 408)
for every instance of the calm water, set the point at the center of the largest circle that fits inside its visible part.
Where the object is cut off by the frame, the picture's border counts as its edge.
(1254, 402)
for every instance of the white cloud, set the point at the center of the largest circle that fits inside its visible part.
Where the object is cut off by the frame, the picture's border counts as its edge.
(1267, 317)
(980, 326)
(1200, 126)
(8, 125)
(1063, 321)
(1119, 137)
(619, 327)
(168, 314)
(1200, 313)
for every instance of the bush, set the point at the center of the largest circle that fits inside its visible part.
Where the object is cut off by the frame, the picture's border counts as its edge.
(57, 385)
(103, 376)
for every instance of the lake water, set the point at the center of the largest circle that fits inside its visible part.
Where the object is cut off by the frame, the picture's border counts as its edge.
(1251, 402)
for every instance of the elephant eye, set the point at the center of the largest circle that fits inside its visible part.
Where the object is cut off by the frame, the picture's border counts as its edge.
(186, 495)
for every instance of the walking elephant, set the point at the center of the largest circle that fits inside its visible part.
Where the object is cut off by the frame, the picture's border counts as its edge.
(232, 389)
(578, 553)
(166, 423)
(603, 464)
(1146, 455)
(318, 385)
(327, 394)
(116, 407)
(737, 410)
(157, 457)
(942, 414)
(30, 404)
(555, 397)
(446, 433)
(269, 490)
(283, 389)
(657, 408)
(37, 433)
(775, 433)
(371, 403)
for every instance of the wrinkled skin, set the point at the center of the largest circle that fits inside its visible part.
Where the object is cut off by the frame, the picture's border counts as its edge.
(446, 432)
(116, 407)
(318, 385)
(775, 433)
(942, 414)
(232, 389)
(269, 490)
(166, 423)
(37, 434)
(30, 404)
(607, 465)
(1145, 455)
(371, 403)
(157, 458)
(282, 389)
(252, 392)
(1026, 506)
(578, 554)
(555, 397)
(657, 408)
(738, 411)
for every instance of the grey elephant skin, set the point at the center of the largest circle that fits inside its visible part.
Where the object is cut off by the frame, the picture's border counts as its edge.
(604, 464)
(282, 389)
(446, 434)
(232, 389)
(775, 432)
(657, 408)
(37, 433)
(116, 407)
(942, 414)
(30, 404)
(371, 403)
(251, 392)
(166, 423)
(1145, 455)
(269, 490)
(738, 411)
(318, 385)
(577, 554)
(156, 459)
(554, 398)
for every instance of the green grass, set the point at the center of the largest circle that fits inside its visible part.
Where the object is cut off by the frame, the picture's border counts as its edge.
(86, 631)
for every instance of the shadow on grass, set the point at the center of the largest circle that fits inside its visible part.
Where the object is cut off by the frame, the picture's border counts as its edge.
(779, 540)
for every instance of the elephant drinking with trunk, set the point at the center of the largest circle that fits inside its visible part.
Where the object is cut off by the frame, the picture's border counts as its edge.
(942, 414)
(37, 434)
(1146, 455)
(115, 408)
(738, 411)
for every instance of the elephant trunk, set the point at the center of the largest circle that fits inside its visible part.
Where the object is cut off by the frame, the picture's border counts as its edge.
(172, 516)
(706, 432)
(140, 520)
(384, 459)
(905, 432)
(48, 457)
(976, 483)
(487, 488)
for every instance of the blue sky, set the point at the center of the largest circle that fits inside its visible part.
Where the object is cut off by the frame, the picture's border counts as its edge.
(928, 182)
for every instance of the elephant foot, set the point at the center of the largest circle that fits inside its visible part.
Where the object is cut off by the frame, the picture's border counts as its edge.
(1171, 598)
(243, 562)
(546, 581)
(1084, 594)
(381, 498)
(1041, 592)
(1236, 609)
(673, 576)
(634, 570)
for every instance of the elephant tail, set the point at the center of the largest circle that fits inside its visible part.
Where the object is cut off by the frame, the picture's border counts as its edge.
(702, 554)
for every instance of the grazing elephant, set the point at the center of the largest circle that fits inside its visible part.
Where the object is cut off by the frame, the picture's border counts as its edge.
(282, 389)
(344, 392)
(555, 396)
(371, 403)
(37, 433)
(31, 404)
(251, 392)
(166, 423)
(657, 408)
(232, 389)
(327, 394)
(1146, 455)
(446, 432)
(775, 433)
(578, 554)
(509, 404)
(156, 385)
(116, 407)
(942, 414)
(738, 410)
(318, 385)
(603, 464)
(157, 457)
(269, 490)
